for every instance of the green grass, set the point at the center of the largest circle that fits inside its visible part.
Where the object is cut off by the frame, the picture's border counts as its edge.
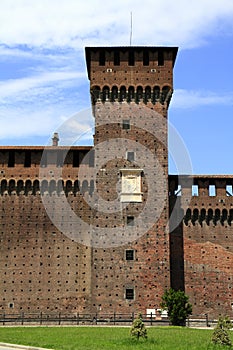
(101, 338)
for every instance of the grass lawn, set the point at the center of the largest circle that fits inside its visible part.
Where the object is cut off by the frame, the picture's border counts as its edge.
(101, 338)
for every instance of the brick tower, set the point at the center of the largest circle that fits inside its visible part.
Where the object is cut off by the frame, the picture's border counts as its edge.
(131, 88)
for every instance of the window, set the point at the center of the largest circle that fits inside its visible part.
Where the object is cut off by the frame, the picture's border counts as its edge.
(129, 254)
(27, 159)
(11, 159)
(130, 156)
(126, 124)
(116, 58)
(102, 58)
(130, 220)
(129, 293)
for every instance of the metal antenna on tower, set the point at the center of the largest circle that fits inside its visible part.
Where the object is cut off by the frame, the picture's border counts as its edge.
(131, 27)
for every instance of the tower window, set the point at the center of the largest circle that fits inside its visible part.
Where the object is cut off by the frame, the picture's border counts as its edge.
(145, 58)
(130, 220)
(27, 159)
(129, 254)
(160, 58)
(102, 58)
(11, 159)
(130, 156)
(131, 58)
(129, 293)
(126, 124)
(116, 58)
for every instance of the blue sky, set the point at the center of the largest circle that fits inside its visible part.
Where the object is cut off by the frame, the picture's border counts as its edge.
(43, 80)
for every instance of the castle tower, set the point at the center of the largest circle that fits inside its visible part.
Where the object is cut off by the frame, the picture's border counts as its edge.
(131, 88)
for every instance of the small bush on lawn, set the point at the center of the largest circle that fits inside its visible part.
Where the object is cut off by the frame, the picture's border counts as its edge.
(221, 332)
(138, 328)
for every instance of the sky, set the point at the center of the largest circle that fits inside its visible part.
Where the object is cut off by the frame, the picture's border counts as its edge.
(43, 78)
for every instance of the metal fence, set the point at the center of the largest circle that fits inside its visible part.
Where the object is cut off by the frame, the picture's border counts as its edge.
(96, 319)
(76, 319)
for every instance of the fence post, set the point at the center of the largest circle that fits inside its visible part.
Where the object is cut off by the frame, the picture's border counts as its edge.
(151, 321)
(59, 318)
(22, 318)
(3, 319)
(77, 318)
(114, 318)
(188, 321)
(207, 320)
(41, 318)
(132, 316)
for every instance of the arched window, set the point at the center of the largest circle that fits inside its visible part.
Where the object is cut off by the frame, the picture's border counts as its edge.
(84, 186)
(195, 216)
(28, 186)
(12, 186)
(95, 91)
(36, 186)
(217, 216)
(92, 187)
(44, 187)
(210, 216)
(156, 94)
(139, 93)
(202, 216)
(106, 93)
(3, 186)
(224, 216)
(20, 186)
(165, 94)
(60, 186)
(68, 186)
(122, 93)
(187, 217)
(114, 93)
(148, 93)
(52, 187)
(76, 186)
(131, 93)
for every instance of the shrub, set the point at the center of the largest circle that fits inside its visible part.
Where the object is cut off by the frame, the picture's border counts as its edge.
(138, 328)
(177, 305)
(221, 332)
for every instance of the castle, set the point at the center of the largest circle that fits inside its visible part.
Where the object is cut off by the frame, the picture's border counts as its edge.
(106, 228)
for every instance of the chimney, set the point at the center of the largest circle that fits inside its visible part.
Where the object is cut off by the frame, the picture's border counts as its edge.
(55, 139)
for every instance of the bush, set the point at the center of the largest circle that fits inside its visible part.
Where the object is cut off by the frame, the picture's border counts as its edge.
(221, 332)
(177, 305)
(138, 328)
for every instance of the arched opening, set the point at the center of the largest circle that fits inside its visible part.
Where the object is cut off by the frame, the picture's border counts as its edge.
(76, 186)
(202, 216)
(44, 187)
(148, 94)
(52, 187)
(69, 187)
(20, 187)
(187, 217)
(156, 94)
(92, 187)
(224, 216)
(84, 187)
(165, 94)
(28, 187)
(217, 216)
(114, 93)
(122, 93)
(230, 218)
(210, 216)
(131, 93)
(12, 186)
(60, 186)
(139, 93)
(195, 216)
(36, 187)
(95, 91)
(3, 186)
(106, 93)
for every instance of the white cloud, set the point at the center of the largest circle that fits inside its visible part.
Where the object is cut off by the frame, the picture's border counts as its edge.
(76, 23)
(185, 99)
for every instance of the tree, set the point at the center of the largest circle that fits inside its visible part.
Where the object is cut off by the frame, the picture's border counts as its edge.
(221, 332)
(177, 305)
(138, 328)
